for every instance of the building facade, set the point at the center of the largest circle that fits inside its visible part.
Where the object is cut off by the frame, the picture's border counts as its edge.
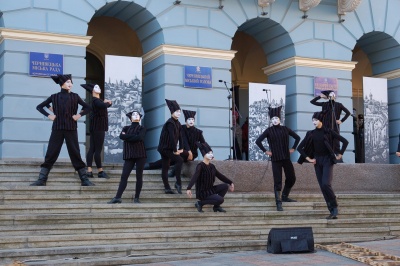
(278, 42)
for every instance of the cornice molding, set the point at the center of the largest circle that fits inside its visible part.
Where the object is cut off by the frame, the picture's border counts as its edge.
(44, 37)
(394, 74)
(187, 51)
(345, 6)
(309, 62)
(305, 5)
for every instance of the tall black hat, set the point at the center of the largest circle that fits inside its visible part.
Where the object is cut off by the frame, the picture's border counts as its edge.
(173, 106)
(91, 87)
(275, 112)
(61, 79)
(319, 115)
(203, 147)
(327, 92)
(188, 114)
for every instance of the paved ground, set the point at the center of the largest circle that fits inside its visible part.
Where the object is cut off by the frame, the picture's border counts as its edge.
(320, 257)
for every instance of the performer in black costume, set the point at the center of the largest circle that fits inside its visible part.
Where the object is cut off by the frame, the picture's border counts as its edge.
(98, 128)
(278, 140)
(316, 148)
(167, 147)
(65, 106)
(204, 178)
(134, 154)
(333, 111)
(191, 135)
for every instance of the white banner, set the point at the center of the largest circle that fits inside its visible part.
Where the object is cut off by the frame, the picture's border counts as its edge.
(262, 96)
(376, 129)
(123, 86)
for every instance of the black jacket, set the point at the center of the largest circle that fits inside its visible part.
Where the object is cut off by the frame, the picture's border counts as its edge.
(170, 136)
(99, 116)
(133, 141)
(65, 105)
(306, 146)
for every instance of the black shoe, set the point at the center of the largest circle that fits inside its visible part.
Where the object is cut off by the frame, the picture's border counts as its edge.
(115, 200)
(136, 200)
(218, 209)
(279, 206)
(86, 183)
(333, 214)
(168, 191)
(178, 188)
(287, 199)
(102, 174)
(198, 206)
(89, 174)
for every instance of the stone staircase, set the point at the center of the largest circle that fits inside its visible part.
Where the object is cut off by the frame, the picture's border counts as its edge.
(66, 224)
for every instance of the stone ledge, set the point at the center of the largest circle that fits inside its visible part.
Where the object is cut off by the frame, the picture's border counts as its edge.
(347, 178)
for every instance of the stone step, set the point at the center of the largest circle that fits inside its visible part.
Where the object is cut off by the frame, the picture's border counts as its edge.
(194, 225)
(73, 204)
(14, 242)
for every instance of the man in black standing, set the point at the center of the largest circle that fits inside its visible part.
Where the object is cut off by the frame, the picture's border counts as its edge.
(98, 128)
(316, 148)
(167, 147)
(333, 110)
(278, 140)
(65, 107)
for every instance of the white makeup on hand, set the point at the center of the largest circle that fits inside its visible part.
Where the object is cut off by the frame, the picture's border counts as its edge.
(275, 120)
(190, 122)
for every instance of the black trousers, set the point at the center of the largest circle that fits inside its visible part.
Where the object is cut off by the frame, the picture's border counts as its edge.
(158, 164)
(324, 171)
(126, 171)
(277, 173)
(218, 198)
(95, 148)
(56, 141)
(166, 158)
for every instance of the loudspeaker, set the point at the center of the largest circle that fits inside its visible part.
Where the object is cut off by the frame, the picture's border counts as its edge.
(290, 240)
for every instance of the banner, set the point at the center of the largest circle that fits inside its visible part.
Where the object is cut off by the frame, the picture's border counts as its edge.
(262, 96)
(198, 77)
(376, 130)
(123, 86)
(45, 64)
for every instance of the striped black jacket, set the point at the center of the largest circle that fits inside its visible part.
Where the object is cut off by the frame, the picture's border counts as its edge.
(99, 117)
(190, 136)
(278, 140)
(170, 136)
(204, 178)
(133, 137)
(65, 105)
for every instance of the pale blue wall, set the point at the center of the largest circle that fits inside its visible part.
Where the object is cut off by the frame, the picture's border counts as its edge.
(282, 34)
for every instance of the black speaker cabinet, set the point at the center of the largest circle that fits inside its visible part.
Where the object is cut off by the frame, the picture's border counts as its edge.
(290, 240)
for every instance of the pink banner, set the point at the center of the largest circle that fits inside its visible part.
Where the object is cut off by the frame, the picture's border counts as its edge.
(325, 84)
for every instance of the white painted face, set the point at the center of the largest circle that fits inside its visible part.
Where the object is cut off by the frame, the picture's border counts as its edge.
(67, 85)
(209, 155)
(332, 95)
(316, 122)
(135, 117)
(275, 120)
(176, 114)
(190, 122)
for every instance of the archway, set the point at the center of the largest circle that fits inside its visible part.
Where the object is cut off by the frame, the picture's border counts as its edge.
(377, 54)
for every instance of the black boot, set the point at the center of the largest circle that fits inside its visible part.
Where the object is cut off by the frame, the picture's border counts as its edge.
(218, 209)
(198, 206)
(43, 174)
(178, 188)
(171, 172)
(333, 209)
(285, 195)
(84, 179)
(102, 174)
(278, 200)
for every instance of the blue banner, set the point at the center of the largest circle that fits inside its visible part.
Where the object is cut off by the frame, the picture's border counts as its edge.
(45, 65)
(198, 77)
